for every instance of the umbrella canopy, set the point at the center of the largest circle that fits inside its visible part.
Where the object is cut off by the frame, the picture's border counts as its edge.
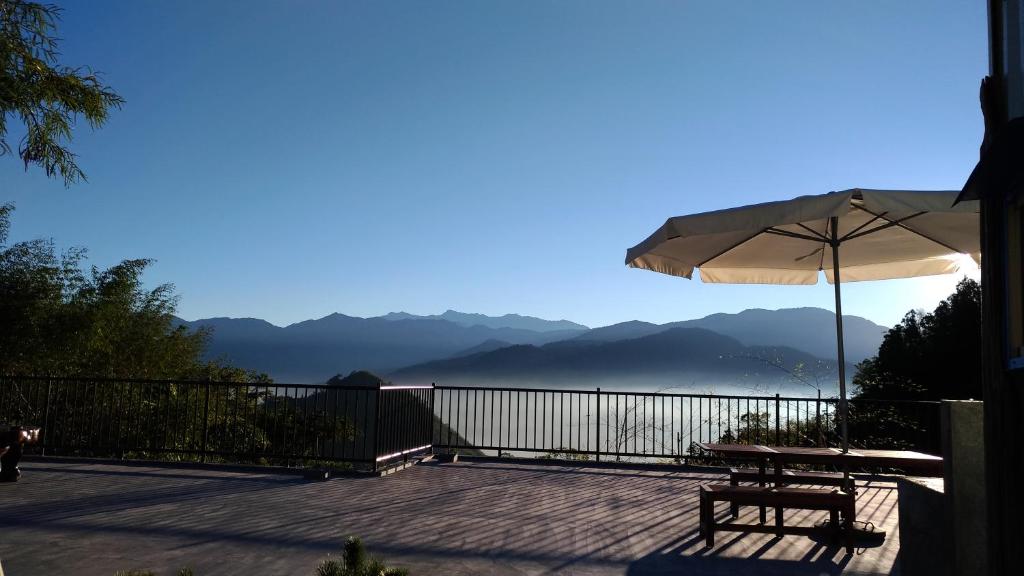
(852, 235)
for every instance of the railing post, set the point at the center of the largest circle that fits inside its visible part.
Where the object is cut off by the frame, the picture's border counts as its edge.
(206, 422)
(777, 420)
(817, 420)
(597, 420)
(46, 416)
(376, 424)
(430, 419)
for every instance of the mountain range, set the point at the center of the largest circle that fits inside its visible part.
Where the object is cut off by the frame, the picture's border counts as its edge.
(506, 321)
(314, 350)
(809, 329)
(458, 347)
(695, 358)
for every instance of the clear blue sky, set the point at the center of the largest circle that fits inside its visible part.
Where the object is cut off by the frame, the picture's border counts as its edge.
(286, 160)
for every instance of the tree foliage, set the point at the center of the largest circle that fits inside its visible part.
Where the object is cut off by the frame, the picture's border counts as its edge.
(931, 356)
(46, 97)
(60, 319)
(94, 334)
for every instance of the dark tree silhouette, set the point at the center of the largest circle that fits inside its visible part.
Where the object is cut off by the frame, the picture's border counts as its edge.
(930, 356)
(933, 356)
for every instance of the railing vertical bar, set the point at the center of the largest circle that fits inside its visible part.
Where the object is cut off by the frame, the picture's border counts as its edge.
(444, 424)
(461, 428)
(817, 420)
(543, 419)
(777, 420)
(789, 436)
(365, 421)
(662, 449)
(376, 427)
(518, 414)
(464, 410)
(473, 432)
(561, 423)
(579, 428)
(501, 420)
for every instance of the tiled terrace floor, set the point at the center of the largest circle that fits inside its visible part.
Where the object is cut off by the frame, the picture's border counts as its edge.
(463, 518)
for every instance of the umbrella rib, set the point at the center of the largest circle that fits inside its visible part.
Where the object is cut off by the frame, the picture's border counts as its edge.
(900, 224)
(733, 247)
(861, 227)
(789, 234)
(888, 224)
(817, 234)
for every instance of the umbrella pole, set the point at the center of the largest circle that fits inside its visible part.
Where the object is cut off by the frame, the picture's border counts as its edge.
(843, 409)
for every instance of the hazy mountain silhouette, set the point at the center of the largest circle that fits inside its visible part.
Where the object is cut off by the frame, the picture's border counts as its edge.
(692, 357)
(359, 379)
(486, 346)
(506, 321)
(812, 330)
(622, 331)
(311, 350)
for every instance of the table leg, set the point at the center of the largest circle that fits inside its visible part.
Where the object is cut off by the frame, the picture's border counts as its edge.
(778, 484)
(734, 508)
(761, 482)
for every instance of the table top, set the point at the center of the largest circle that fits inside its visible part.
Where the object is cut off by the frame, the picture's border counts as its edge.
(759, 451)
(907, 459)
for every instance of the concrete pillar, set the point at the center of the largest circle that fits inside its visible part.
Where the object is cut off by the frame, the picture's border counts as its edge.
(963, 452)
(923, 527)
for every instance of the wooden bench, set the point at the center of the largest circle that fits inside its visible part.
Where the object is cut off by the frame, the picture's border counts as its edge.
(737, 475)
(836, 502)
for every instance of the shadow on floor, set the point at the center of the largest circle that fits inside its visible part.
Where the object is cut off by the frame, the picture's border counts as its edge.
(457, 519)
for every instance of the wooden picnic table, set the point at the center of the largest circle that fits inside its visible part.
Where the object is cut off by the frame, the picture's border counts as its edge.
(920, 463)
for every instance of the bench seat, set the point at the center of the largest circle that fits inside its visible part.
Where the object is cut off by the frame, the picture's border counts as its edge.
(836, 502)
(737, 475)
(788, 477)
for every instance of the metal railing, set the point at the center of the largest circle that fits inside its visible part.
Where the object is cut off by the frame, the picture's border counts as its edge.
(595, 423)
(371, 427)
(278, 424)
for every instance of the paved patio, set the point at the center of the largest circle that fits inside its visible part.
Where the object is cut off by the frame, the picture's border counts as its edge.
(463, 518)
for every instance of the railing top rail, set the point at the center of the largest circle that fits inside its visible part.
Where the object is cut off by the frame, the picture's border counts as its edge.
(717, 396)
(632, 393)
(516, 389)
(326, 387)
(892, 401)
(768, 398)
(181, 381)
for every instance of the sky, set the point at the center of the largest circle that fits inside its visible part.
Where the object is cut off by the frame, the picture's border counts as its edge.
(288, 160)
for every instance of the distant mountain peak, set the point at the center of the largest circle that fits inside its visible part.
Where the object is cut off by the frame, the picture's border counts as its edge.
(334, 315)
(505, 321)
(805, 328)
(357, 378)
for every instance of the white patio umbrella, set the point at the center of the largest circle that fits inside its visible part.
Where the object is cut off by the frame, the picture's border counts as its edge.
(852, 235)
